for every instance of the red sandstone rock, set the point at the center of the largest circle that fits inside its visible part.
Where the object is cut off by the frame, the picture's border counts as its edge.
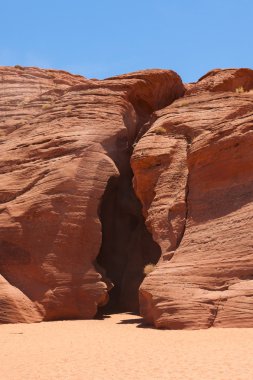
(194, 176)
(66, 143)
(222, 80)
(63, 138)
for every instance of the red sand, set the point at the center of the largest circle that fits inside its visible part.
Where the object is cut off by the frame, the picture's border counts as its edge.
(116, 349)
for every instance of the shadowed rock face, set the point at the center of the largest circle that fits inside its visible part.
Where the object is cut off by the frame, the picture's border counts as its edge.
(75, 217)
(126, 246)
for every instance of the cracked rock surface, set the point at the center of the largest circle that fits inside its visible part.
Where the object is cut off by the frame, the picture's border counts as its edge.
(65, 139)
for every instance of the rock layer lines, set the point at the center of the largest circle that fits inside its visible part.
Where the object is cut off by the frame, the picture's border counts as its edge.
(70, 222)
(63, 139)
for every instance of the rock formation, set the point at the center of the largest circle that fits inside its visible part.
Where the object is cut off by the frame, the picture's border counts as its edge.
(66, 141)
(74, 220)
(194, 175)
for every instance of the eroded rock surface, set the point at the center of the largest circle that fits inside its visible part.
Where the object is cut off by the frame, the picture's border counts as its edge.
(63, 138)
(194, 176)
(74, 220)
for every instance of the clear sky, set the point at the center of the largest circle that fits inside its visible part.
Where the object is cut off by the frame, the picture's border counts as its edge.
(104, 38)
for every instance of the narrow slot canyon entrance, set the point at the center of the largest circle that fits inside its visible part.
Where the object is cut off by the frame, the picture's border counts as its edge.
(127, 246)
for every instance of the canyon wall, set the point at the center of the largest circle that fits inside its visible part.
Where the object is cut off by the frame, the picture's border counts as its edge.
(101, 177)
(63, 139)
(194, 175)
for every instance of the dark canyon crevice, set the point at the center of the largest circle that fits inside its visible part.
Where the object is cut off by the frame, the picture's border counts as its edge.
(127, 246)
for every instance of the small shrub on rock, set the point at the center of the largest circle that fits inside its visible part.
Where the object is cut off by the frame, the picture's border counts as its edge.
(19, 67)
(239, 90)
(160, 130)
(46, 106)
(148, 268)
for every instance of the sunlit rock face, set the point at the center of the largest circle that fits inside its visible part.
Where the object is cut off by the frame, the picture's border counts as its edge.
(101, 177)
(63, 138)
(194, 175)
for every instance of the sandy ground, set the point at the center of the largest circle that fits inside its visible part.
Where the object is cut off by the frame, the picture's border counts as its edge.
(116, 348)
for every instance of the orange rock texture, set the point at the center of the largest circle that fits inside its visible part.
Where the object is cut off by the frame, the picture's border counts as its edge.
(194, 175)
(76, 219)
(62, 139)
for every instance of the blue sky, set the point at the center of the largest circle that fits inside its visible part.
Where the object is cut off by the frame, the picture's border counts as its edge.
(105, 38)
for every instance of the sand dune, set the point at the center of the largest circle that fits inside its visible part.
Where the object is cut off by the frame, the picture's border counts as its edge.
(116, 348)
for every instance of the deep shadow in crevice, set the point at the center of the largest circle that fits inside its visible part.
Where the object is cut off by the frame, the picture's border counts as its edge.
(127, 246)
(101, 316)
(139, 322)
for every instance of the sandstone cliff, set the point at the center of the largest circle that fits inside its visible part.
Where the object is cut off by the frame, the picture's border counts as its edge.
(194, 175)
(74, 220)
